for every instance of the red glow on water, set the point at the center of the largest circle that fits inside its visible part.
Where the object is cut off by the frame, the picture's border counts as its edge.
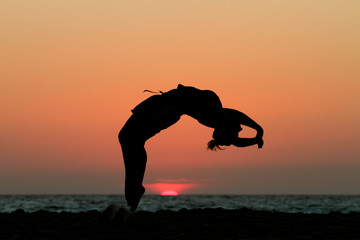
(169, 193)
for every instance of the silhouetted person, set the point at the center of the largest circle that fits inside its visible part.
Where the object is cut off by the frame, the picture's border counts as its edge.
(159, 112)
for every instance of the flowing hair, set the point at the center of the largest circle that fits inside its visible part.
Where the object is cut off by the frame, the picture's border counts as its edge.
(213, 145)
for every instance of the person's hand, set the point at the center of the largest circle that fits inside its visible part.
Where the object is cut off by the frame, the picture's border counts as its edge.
(259, 133)
(259, 136)
(260, 142)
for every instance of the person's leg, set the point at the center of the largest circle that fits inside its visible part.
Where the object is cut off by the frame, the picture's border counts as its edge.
(134, 156)
(135, 163)
(132, 144)
(132, 139)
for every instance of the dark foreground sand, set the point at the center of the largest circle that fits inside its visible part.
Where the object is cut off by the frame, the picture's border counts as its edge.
(184, 224)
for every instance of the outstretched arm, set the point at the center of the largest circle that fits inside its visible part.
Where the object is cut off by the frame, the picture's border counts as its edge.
(245, 142)
(247, 121)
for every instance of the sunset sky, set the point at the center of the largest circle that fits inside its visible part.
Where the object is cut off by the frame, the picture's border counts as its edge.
(71, 71)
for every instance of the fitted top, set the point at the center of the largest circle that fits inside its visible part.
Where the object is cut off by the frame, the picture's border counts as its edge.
(203, 105)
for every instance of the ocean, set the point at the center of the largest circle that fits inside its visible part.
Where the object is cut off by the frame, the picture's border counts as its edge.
(319, 204)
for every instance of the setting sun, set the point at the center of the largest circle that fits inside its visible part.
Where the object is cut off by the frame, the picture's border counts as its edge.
(169, 189)
(169, 193)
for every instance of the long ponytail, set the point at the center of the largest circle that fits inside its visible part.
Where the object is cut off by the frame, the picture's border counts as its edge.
(213, 145)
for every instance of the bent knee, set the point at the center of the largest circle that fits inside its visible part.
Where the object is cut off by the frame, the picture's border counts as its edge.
(131, 138)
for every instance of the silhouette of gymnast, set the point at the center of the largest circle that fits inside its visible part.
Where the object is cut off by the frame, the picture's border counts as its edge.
(159, 112)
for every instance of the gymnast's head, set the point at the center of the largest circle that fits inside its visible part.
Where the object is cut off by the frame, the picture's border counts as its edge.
(225, 133)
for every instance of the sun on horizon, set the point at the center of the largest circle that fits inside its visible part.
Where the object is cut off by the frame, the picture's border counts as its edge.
(169, 189)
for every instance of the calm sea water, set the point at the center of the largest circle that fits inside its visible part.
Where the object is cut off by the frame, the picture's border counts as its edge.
(280, 203)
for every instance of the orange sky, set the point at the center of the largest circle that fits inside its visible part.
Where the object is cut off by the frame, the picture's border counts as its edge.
(71, 71)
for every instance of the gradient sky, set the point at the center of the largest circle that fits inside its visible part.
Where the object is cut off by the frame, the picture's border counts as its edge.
(71, 71)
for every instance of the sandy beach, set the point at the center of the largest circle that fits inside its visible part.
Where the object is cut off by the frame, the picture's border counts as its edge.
(183, 224)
